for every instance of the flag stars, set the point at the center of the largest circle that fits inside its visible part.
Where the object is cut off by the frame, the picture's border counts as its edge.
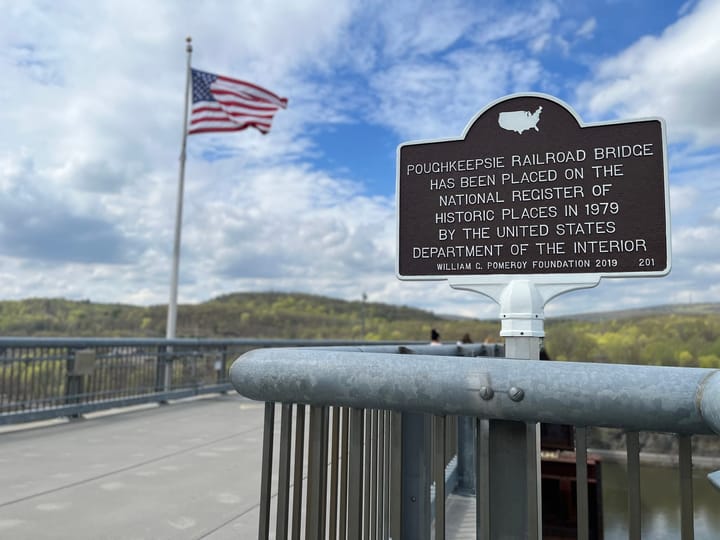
(201, 82)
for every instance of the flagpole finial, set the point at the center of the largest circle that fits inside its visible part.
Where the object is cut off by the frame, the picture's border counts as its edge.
(189, 44)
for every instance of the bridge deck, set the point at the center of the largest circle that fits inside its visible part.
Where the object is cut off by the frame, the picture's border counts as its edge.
(188, 470)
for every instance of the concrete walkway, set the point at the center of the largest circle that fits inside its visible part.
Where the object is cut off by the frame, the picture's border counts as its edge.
(460, 518)
(181, 471)
(189, 470)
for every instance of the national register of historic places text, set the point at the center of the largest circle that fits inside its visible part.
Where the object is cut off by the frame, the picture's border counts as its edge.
(530, 190)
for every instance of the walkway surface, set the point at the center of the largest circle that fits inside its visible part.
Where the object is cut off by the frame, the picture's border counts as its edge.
(187, 470)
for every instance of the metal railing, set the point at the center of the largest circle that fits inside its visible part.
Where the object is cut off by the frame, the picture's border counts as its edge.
(42, 378)
(378, 432)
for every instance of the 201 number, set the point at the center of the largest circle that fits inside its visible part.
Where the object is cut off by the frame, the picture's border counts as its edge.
(647, 262)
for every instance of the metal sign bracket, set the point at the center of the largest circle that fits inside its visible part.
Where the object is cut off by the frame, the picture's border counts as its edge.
(522, 301)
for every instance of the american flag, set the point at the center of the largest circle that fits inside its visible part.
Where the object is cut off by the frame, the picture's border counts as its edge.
(223, 104)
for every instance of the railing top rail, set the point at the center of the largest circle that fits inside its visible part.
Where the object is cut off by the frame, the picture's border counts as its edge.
(78, 342)
(648, 398)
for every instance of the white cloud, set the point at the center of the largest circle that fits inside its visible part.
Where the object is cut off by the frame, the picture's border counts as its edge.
(699, 242)
(587, 29)
(682, 198)
(406, 30)
(436, 100)
(523, 25)
(675, 75)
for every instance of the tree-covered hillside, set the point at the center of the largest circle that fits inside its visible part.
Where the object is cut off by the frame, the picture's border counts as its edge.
(255, 315)
(670, 335)
(681, 337)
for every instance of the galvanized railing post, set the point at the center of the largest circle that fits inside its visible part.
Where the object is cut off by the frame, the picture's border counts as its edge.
(334, 471)
(373, 500)
(632, 439)
(73, 382)
(387, 478)
(395, 492)
(355, 475)
(482, 480)
(439, 476)
(317, 470)
(466, 455)
(415, 463)
(514, 453)
(160, 368)
(266, 478)
(367, 496)
(298, 472)
(344, 457)
(283, 498)
(222, 368)
(687, 526)
(581, 483)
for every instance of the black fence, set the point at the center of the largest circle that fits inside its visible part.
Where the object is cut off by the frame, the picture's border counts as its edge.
(42, 378)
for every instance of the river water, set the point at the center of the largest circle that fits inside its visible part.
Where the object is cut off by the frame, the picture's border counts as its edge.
(660, 494)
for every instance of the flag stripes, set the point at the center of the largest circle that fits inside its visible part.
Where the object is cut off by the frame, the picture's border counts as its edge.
(223, 104)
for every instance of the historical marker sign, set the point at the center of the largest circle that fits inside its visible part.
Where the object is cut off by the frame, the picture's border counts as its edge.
(530, 190)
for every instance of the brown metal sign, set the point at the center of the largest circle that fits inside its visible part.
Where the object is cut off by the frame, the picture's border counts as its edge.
(531, 190)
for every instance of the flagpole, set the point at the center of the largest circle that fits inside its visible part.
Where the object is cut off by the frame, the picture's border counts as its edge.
(172, 304)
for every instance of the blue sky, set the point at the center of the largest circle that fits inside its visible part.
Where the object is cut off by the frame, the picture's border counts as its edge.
(91, 103)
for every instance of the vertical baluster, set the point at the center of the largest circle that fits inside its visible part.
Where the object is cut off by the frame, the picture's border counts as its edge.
(334, 469)
(32, 383)
(368, 467)
(41, 377)
(37, 376)
(5, 386)
(482, 480)
(283, 500)
(298, 472)
(416, 476)
(581, 483)
(55, 383)
(372, 508)
(633, 480)
(266, 480)
(452, 437)
(534, 482)
(687, 527)
(394, 507)
(24, 381)
(17, 379)
(100, 376)
(355, 475)
(387, 482)
(3, 379)
(325, 476)
(9, 387)
(313, 508)
(439, 476)
(382, 481)
(464, 448)
(344, 472)
(51, 385)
